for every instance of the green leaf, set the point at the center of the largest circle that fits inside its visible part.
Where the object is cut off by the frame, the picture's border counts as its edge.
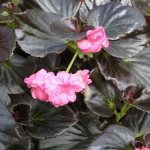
(148, 11)
(142, 5)
(4, 15)
(16, 2)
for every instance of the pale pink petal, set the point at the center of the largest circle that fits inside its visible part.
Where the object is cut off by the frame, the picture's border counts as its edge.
(84, 45)
(39, 93)
(96, 47)
(95, 40)
(97, 34)
(59, 100)
(105, 43)
(83, 76)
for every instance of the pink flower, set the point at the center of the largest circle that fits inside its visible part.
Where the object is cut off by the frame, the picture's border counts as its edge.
(37, 84)
(57, 89)
(64, 88)
(95, 40)
(142, 149)
(84, 78)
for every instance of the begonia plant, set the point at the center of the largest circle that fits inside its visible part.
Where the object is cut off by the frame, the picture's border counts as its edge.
(74, 75)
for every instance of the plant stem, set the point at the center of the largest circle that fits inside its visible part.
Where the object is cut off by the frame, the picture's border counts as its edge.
(72, 61)
(122, 112)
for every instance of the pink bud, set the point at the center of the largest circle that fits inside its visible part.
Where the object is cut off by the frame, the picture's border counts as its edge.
(95, 40)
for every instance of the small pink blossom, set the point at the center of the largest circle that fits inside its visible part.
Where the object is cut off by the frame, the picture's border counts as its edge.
(62, 89)
(142, 148)
(95, 40)
(37, 84)
(57, 89)
(84, 77)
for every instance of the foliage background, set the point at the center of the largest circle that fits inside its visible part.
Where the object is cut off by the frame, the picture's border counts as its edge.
(113, 113)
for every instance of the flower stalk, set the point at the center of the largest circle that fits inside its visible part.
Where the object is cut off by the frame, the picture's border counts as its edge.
(73, 58)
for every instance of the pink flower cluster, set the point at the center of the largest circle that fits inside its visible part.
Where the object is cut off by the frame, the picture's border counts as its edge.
(95, 40)
(58, 89)
(142, 149)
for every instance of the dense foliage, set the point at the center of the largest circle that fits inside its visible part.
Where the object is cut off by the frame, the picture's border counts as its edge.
(113, 113)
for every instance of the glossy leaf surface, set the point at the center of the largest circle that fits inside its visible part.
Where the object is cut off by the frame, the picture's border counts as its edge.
(86, 127)
(138, 121)
(123, 72)
(118, 20)
(128, 46)
(100, 98)
(7, 128)
(7, 42)
(34, 35)
(87, 5)
(49, 121)
(114, 137)
(65, 8)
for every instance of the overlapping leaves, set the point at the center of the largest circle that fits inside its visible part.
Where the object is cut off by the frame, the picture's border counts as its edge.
(138, 121)
(8, 125)
(12, 73)
(87, 5)
(35, 37)
(7, 42)
(65, 8)
(102, 97)
(128, 46)
(42, 119)
(123, 72)
(118, 20)
(48, 27)
(114, 137)
(45, 31)
(86, 127)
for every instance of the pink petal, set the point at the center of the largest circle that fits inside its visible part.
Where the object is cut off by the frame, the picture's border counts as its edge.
(96, 47)
(39, 93)
(84, 45)
(105, 43)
